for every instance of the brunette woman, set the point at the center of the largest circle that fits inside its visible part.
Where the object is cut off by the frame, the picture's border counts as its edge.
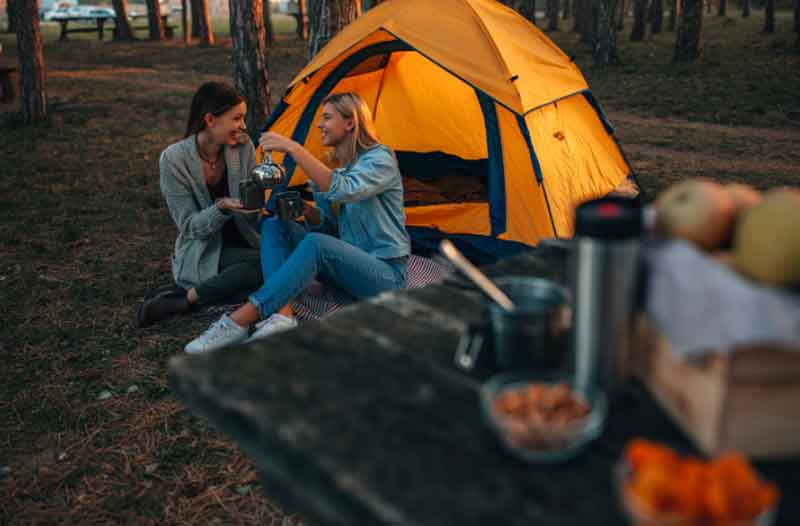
(216, 256)
(360, 242)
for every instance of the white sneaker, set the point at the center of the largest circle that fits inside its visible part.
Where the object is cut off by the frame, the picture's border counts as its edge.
(221, 333)
(275, 323)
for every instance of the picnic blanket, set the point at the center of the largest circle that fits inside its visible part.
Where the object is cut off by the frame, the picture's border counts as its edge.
(319, 300)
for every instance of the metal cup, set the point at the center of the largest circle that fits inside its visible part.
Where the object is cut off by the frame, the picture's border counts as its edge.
(532, 336)
(288, 205)
(251, 192)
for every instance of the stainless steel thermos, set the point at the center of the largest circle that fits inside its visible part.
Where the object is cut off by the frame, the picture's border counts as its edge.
(603, 272)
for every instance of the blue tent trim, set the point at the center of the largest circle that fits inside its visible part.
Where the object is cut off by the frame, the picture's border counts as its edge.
(497, 182)
(600, 113)
(478, 249)
(537, 169)
(274, 115)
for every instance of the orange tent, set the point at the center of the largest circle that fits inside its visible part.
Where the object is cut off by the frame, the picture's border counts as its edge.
(469, 94)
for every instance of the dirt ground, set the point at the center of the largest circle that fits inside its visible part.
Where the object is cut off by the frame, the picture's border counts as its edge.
(89, 431)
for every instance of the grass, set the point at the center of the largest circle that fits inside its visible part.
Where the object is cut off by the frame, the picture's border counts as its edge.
(84, 233)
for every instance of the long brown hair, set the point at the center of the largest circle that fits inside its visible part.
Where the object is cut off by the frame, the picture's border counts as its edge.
(212, 97)
(363, 137)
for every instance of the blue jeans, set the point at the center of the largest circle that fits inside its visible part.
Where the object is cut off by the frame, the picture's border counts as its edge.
(291, 258)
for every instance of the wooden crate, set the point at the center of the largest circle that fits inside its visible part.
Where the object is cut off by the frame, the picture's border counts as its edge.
(747, 400)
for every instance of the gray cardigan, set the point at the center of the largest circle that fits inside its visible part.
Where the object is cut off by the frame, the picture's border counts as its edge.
(199, 221)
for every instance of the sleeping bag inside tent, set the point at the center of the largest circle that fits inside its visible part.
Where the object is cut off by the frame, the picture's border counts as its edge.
(497, 134)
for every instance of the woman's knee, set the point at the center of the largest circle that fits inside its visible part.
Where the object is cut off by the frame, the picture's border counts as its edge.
(271, 225)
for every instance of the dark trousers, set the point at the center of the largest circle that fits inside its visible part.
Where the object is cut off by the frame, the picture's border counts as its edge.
(239, 275)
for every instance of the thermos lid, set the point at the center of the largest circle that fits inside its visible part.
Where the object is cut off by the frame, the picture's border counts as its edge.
(609, 218)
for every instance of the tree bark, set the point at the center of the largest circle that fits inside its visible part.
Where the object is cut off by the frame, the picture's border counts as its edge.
(583, 20)
(639, 26)
(769, 16)
(123, 30)
(33, 101)
(745, 8)
(797, 17)
(326, 18)
(605, 47)
(622, 7)
(689, 38)
(673, 14)
(656, 16)
(551, 6)
(11, 15)
(206, 33)
(186, 22)
(302, 20)
(566, 10)
(250, 59)
(269, 36)
(196, 23)
(722, 8)
(154, 20)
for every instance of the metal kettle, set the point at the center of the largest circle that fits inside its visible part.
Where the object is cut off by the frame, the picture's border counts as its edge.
(266, 175)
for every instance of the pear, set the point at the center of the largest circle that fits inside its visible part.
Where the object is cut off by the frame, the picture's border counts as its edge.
(698, 210)
(766, 243)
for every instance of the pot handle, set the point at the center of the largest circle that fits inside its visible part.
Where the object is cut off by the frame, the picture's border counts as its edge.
(469, 346)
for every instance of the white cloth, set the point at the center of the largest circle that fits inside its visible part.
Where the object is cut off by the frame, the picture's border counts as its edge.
(702, 306)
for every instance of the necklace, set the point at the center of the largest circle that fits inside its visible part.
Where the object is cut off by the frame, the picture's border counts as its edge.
(212, 164)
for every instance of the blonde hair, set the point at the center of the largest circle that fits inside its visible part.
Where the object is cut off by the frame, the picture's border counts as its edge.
(363, 136)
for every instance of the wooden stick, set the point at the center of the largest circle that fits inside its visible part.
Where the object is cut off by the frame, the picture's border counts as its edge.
(471, 271)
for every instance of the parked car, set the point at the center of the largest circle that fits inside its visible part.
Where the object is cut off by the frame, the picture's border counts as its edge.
(48, 7)
(85, 11)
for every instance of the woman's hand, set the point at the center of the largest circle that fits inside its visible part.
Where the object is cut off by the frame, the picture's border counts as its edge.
(276, 142)
(229, 204)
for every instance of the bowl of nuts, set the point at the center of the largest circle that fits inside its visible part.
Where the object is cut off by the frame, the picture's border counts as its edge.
(542, 418)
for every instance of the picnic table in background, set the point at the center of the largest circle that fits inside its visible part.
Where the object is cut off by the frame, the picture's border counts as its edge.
(95, 23)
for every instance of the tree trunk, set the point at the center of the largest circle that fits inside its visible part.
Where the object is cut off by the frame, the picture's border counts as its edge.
(302, 20)
(33, 100)
(122, 29)
(250, 59)
(689, 38)
(745, 8)
(605, 48)
(11, 15)
(622, 7)
(584, 23)
(186, 22)
(566, 10)
(551, 6)
(722, 8)
(269, 36)
(196, 13)
(326, 18)
(154, 20)
(526, 8)
(673, 15)
(639, 12)
(204, 22)
(797, 17)
(769, 16)
(656, 16)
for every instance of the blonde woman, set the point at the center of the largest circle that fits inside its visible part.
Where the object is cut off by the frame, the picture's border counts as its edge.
(362, 247)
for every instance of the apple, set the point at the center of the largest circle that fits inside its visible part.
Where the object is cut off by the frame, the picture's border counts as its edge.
(698, 210)
(766, 243)
(744, 196)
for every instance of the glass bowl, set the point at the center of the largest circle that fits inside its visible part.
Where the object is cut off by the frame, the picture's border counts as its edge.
(534, 439)
(639, 513)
